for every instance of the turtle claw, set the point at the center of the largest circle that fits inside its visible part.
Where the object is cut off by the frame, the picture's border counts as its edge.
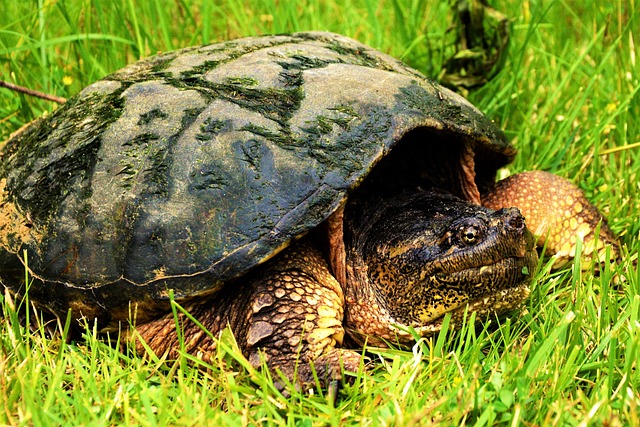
(332, 391)
(327, 373)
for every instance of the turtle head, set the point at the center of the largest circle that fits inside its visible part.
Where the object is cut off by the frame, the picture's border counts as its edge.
(413, 258)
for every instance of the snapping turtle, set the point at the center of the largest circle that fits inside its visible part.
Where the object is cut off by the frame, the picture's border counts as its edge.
(305, 190)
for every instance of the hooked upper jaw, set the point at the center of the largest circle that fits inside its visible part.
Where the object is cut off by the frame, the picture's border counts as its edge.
(481, 239)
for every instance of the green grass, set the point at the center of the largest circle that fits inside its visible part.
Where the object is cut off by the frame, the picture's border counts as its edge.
(568, 98)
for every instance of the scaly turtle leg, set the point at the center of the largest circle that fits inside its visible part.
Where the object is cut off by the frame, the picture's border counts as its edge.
(288, 313)
(558, 213)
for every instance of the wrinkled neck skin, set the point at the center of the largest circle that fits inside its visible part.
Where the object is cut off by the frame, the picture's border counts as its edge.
(413, 258)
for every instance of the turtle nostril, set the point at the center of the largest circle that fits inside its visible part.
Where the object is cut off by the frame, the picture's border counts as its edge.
(514, 220)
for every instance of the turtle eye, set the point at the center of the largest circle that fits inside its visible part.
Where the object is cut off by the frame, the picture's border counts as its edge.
(470, 235)
(471, 232)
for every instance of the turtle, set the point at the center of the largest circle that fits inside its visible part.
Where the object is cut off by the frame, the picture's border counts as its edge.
(306, 191)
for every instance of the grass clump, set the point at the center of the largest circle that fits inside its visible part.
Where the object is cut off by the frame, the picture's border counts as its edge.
(568, 99)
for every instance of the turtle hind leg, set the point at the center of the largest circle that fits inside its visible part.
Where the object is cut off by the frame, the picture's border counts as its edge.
(287, 313)
(558, 213)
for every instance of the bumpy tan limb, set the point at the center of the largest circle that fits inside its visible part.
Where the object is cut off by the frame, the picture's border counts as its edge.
(302, 317)
(288, 313)
(558, 213)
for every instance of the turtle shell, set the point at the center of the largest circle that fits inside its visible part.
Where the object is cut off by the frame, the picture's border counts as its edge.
(182, 171)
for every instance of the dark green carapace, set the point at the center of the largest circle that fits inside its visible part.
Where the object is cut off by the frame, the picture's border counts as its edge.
(184, 170)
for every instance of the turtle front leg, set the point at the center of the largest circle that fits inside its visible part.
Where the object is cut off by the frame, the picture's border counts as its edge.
(294, 318)
(288, 313)
(558, 213)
